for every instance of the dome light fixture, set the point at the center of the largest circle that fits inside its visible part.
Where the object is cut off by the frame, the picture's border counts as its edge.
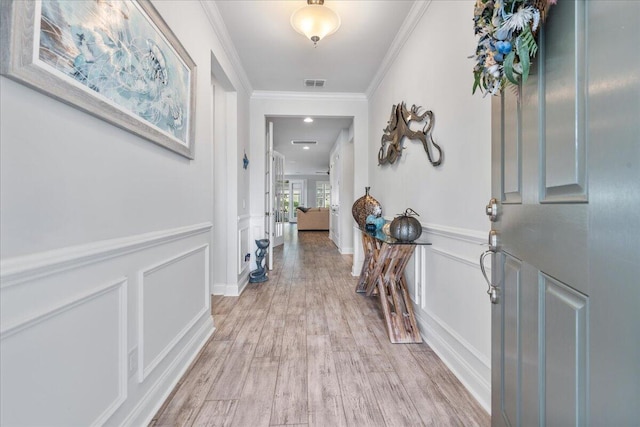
(315, 21)
(308, 120)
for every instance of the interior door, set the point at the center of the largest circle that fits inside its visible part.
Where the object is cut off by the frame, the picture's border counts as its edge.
(566, 176)
(269, 218)
(278, 209)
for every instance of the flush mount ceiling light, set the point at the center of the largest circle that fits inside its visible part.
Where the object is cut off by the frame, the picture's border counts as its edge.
(308, 120)
(315, 21)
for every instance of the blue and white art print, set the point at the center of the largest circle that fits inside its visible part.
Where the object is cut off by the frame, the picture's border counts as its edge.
(115, 59)
(112, 48)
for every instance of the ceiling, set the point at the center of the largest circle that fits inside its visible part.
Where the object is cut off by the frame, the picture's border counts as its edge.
(315, 160)
(277, 58)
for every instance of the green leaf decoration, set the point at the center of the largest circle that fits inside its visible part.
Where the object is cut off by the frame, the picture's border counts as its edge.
(508, 67)
(476, 82)
(525, 61)
(530, 41)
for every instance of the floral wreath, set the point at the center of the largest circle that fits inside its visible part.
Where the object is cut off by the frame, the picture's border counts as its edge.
(507, 43)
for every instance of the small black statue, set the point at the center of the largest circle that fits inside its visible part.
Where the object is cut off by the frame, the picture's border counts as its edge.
(260, 273)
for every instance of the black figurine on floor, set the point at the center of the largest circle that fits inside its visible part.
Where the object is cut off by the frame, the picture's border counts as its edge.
(260, 273)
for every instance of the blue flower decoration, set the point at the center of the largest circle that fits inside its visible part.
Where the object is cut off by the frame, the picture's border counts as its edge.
(503, 47)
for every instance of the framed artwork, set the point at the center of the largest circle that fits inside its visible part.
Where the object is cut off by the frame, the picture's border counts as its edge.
(117, 60)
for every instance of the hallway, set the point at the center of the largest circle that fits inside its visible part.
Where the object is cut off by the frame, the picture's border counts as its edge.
(305, 349)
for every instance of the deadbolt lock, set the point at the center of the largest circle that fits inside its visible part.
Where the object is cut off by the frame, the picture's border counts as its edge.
(492, 209)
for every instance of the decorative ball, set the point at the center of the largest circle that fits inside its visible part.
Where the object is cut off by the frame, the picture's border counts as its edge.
(405, 227)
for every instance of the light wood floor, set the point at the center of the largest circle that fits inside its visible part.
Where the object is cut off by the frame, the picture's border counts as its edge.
(303, 349)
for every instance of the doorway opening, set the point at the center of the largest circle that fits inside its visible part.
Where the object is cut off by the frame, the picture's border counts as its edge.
(306, 149)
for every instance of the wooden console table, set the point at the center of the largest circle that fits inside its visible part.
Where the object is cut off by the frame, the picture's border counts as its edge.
(383, 274)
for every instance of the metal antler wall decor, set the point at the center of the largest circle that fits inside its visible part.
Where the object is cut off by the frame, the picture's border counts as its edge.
(398, 127)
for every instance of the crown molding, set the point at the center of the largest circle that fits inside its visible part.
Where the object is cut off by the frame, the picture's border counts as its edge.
(217, 23)
(307, 96)
(418, 9)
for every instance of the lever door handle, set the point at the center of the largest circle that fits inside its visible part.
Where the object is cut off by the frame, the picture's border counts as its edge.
(492, 290)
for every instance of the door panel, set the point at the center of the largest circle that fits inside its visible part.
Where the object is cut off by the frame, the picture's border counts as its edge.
(566, 166)
(512, 149)
(563, 88)
(564, 344)
(511, 365)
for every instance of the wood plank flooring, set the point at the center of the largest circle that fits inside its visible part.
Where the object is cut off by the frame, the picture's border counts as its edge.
(303, 349)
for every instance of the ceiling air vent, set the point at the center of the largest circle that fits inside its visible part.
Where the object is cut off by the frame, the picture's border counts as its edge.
(314, 82)
(303, 142)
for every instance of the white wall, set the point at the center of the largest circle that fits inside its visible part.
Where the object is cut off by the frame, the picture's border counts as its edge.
(105, 247)
(432, 70)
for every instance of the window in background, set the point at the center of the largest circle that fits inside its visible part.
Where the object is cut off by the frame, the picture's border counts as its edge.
(296, 195)
(323, 194)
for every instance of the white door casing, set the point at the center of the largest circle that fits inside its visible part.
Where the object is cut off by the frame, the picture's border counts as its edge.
(279, 199)
(269, 218)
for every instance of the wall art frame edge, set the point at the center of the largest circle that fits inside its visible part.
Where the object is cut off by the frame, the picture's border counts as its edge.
(17, 31)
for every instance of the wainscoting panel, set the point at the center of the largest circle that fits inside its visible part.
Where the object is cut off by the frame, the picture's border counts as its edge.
(452, 308)
(100, 333)
(173, 295)
(71, 359)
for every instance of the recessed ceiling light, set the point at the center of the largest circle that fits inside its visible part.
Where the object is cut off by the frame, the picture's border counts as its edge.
(308, 120)
(306, 147)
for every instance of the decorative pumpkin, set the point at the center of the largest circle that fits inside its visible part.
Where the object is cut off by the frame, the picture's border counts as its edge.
(405, 227)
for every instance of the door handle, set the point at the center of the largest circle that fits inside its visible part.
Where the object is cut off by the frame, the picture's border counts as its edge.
(494, 242)
(492, 290)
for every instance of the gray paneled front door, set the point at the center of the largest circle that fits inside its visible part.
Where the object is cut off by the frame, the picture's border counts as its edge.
(566, 173)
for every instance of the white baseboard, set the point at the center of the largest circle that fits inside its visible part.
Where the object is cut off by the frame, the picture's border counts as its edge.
(346, 251)
(233, 289)
(464, 361)
(149, 405)
(219, 289)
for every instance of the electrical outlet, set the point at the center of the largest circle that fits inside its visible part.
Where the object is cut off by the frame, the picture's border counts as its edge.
(133, 361)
